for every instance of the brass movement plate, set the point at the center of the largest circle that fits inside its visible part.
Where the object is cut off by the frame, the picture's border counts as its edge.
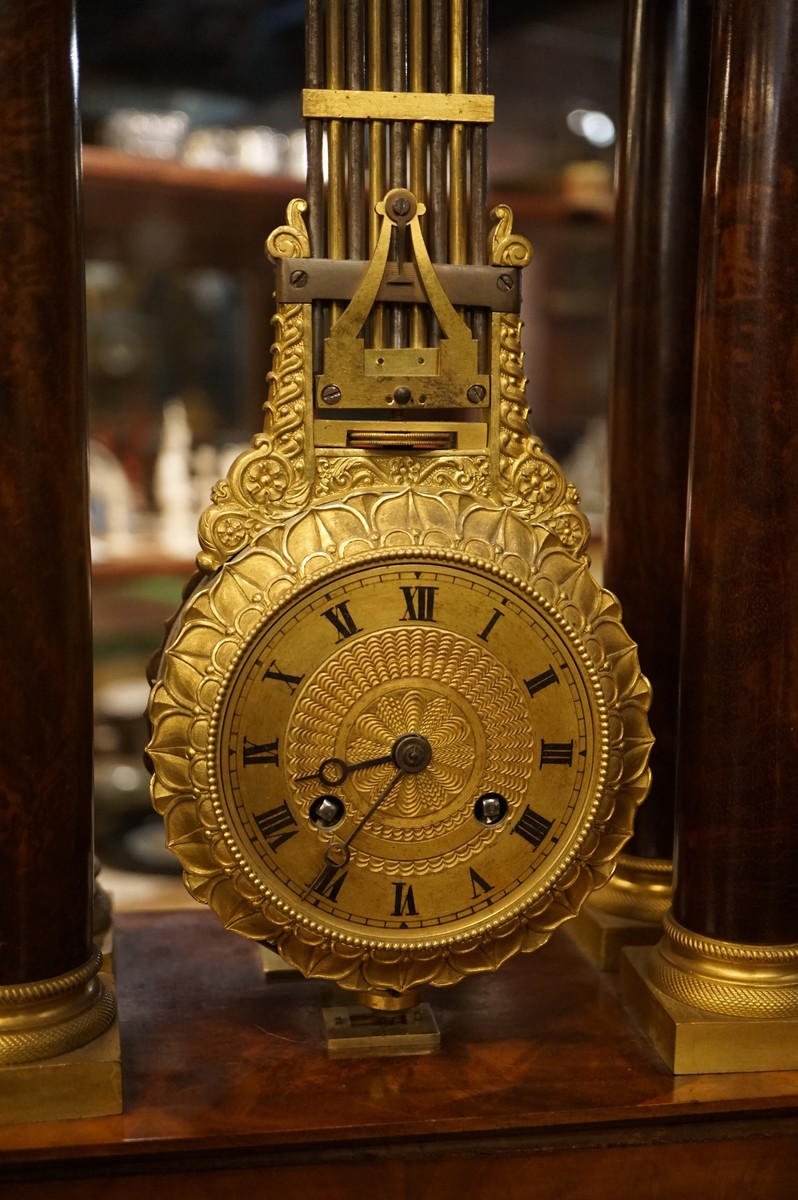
(353, 1031)
(496, 288)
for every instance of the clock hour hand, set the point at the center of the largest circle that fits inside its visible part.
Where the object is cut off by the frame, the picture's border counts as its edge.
(333, 771)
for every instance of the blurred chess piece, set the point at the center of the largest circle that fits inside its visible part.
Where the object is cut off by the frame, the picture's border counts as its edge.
(173, 487)
(111, 505)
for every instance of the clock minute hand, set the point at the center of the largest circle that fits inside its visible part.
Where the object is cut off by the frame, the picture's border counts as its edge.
(336, 854)
(333, 771)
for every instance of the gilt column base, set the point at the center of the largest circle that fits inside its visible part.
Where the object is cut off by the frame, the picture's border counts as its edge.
(710, 1006)
(59, 1047)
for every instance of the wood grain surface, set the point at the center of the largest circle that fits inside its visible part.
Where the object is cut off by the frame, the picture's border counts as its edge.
(540, 1070)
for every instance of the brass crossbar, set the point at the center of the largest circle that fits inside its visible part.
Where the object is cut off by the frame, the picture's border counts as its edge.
(343, 104)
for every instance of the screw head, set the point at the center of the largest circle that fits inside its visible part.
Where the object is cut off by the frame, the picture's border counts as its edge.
(505, 283)
(299, 278)
(401, 206)
(476, 393)
(403, 395)
(331, 394)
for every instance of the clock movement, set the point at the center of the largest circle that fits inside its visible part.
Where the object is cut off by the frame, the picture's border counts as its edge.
(399, 732)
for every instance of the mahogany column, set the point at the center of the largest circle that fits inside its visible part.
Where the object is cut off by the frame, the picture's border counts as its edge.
(737, 822)
(730, 945)
(660, 176)
(46, 865)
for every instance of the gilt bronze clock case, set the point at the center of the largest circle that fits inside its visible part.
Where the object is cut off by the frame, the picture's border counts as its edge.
(399, 730)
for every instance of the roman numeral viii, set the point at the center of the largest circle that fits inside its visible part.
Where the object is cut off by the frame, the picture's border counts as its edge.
(276, 825)
(419, 602)
(341, 620)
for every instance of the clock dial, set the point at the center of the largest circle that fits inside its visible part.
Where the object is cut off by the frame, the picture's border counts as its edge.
(324, 707)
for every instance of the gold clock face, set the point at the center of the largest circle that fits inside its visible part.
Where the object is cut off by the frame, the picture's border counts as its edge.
(407, 752)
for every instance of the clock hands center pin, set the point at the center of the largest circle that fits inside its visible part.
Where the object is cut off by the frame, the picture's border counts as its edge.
(410, 754)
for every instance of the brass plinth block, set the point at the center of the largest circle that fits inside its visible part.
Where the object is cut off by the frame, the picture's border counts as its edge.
(692, 1041)
(54, 1016)
(628, 911)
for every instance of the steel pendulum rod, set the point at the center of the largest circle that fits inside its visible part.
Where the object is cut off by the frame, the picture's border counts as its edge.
(478, 230)
(458, 142)
(438, 82)
(418, 142)
(377, 164)
(336, 144)
(314, 134)
(397, 65)
(356, 81)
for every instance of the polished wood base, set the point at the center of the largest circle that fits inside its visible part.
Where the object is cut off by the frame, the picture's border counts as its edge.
(602, 935)
(690, 1040)
(542, 1086)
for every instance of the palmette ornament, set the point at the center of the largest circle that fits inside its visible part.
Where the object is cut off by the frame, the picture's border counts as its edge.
(399, 730)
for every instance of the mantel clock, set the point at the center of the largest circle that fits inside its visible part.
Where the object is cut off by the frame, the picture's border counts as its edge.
(399, 731)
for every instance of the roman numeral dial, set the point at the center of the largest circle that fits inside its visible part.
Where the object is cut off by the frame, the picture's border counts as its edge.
(487, 695)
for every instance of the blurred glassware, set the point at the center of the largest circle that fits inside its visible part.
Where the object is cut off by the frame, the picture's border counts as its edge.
(257, 149)
(147, 134)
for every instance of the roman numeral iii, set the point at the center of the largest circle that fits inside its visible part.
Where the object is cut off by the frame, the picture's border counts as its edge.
(556, 754)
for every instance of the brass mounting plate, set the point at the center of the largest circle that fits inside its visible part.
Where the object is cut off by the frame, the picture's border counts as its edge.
(353, 1031)
(496, 288)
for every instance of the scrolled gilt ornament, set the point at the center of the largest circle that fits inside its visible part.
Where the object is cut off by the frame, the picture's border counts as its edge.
(528, 479)
(341, 474)
(273, 478)
(508, 249)
(290, 240)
